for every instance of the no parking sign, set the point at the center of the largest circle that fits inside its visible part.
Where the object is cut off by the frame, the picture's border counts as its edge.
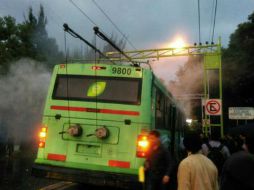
(213, 107)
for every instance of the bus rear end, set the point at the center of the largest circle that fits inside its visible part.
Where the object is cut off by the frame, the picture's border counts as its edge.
(94, 125)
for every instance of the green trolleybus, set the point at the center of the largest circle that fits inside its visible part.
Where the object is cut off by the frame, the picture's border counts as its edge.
(96, 121)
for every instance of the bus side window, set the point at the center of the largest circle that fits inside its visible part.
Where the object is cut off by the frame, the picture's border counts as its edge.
(158, 101)
(160, 110)
(168, 115)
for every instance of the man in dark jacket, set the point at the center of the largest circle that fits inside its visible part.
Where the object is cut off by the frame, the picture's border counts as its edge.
(238, 170)
(158, 165)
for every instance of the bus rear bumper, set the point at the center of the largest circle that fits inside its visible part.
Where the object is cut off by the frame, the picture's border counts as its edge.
(100, 178)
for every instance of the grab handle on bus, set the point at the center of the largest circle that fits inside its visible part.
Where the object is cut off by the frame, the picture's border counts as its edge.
(89, 135)
(62, 132)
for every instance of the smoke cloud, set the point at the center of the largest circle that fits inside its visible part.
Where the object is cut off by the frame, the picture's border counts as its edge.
(22, 97)
(188, 85)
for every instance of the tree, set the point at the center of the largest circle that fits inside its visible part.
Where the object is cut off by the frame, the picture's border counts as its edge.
(9, 41)
(27, 39)
(43, 48)
(238, 66)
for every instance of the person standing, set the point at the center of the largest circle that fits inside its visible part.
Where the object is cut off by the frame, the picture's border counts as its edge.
(238, 170)
(215, 142)
(158, 165)
(196, 171)
(216, 151)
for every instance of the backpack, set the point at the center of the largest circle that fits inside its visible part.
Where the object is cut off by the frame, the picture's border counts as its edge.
(216, 156)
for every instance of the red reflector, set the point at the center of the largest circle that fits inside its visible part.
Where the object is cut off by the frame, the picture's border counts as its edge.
(120, 112)
(67, 108)
(57, 157)
(93, 110)
(120, 164)
(41, 144)
(98, 68)
(141, 154)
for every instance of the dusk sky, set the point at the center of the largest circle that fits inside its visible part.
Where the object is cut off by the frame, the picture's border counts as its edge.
(146, 23)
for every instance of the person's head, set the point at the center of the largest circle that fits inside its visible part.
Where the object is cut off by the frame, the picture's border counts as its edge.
(192, 141)
(249, 142)
(242, 136)
(154, 138)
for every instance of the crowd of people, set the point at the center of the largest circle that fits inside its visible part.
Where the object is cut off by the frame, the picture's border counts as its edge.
(211, 163)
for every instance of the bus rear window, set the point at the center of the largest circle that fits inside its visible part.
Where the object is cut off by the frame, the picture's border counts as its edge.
(101, 89)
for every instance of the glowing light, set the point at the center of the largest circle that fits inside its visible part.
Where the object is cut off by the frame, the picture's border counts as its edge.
(142, 146)
(43, 132)
(178, 43)
(41, 144)
(189, 121)
(143, 143)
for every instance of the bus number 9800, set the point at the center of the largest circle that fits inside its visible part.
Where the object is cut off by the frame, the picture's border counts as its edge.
(121, 71)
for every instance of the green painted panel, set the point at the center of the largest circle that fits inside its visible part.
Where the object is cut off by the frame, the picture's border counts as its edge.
(212, 61)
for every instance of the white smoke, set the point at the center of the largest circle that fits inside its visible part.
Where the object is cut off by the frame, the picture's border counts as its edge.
(188, 85)
(23, 92)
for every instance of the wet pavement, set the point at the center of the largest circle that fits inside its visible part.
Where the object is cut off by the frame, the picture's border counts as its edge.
(15, 174)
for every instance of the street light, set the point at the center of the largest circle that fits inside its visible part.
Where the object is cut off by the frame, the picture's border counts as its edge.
(178, 43)
(189, 121)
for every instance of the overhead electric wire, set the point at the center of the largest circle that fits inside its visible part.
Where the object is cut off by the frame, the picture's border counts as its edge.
(57, 19)
(116, 27)
(214, 21)
(96, 4)
(211, 22)
(75, 5)
(104, 37)
(199, 30)
(76, 35)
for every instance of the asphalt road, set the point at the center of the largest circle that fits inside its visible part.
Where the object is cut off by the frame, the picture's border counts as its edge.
(15, 174)
(74, 186)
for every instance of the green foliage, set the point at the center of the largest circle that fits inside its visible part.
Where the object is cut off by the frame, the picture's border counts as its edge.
(238, 66)
(27, 39)
(9, 40)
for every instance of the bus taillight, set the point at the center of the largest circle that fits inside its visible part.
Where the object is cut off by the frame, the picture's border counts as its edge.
(42, 137)
(142, 146)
